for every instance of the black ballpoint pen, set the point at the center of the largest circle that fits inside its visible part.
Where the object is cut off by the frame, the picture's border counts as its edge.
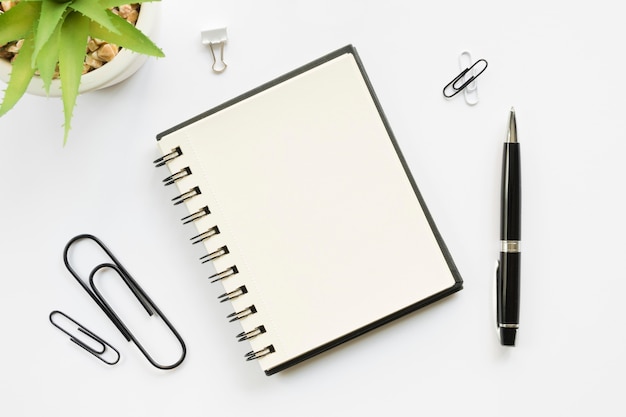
(508, 276)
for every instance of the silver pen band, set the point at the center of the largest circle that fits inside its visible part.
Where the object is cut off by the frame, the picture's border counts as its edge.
(510, 246)
(508, 325)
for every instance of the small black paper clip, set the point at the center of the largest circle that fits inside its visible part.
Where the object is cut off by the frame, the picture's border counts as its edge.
(139, 293)
(103, 346)
(452, 89)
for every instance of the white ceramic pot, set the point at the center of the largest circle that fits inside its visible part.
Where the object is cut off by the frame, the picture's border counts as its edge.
(125, 64)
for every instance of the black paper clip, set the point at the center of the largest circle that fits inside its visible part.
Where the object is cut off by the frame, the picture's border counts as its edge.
(141, 295)
(101, 352)
(452, 89)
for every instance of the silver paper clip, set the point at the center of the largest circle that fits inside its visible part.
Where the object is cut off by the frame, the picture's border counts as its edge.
(213, 38)
(467, 79)
(471, 91)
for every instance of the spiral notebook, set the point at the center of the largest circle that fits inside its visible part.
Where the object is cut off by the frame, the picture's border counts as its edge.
(308, 211)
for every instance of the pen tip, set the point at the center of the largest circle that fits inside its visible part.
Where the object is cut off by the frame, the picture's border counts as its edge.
(512, 135)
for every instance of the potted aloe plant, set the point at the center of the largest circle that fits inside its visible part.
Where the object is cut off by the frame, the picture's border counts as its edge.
(57, 46)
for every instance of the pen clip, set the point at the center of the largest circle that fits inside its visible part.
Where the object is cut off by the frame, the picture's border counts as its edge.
(495, 297)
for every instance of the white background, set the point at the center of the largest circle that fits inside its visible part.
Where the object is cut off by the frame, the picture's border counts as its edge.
(560, 63)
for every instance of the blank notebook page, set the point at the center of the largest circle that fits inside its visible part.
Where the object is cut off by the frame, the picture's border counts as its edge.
(316, 208)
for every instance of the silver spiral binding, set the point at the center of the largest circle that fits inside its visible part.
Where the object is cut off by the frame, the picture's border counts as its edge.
(205, 235)
(224, 274)
(238, 315)
(179, 175)
(250, 356)
(186, 196)
(214, 255)
(222, 251)
(233, 294)
(251, 334)
(176, 152)
(204, 211)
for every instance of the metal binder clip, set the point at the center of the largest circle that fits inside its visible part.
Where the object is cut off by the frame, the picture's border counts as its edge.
(467, 77)
(213, 38)
(102, 347)
(139, 293)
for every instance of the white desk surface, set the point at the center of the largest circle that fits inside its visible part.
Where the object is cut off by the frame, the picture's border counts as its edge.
(559, 63)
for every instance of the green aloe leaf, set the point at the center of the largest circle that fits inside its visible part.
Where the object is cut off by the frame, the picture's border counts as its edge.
(96, 12)
(21, 74)
(18, 21)
(48, 57)
(72, 41)
(128, 36)
(51, 14)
